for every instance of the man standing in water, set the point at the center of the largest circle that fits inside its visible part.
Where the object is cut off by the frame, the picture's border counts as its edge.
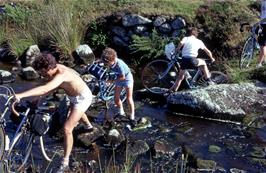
(60, 76)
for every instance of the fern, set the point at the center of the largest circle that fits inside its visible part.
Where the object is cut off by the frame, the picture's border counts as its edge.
(151, 47)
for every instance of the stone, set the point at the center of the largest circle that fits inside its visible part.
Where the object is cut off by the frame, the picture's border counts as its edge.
(83, 54)
(6, 77)
(28, 73)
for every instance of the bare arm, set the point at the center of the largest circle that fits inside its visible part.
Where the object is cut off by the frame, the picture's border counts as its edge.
(180, 45)
(44, 89)
(208, 52)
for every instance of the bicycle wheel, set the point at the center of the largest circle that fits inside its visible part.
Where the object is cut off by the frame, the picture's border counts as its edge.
(156, 79)
(110, 103)
(247, 53)
(2, 141)
(47, 155)
(216, 76)
(19, 151)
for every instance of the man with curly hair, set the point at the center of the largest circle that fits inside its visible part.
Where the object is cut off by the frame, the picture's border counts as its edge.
(62, 77)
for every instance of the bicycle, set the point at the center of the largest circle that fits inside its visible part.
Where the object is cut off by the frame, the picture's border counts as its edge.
(15, 153)
(250, 46)
(103, 90)
(159, 75)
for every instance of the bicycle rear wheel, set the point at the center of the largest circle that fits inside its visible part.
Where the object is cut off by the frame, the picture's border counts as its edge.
(19, 151)
(216, 76)
(247, 53)
(2, 142)
(152, 76)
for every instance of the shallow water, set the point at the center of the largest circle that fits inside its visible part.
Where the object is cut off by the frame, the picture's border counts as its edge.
(191, 133)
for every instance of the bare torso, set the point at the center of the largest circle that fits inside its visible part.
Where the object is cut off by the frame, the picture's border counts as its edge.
(72, 84)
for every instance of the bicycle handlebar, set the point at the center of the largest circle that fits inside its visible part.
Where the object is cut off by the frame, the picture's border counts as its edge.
(9, 95)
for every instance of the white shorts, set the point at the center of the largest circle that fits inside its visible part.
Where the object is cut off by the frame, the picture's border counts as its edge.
(82, 101)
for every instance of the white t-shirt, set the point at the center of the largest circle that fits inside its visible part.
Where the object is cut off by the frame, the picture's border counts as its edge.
(191, 46)
(263, 9)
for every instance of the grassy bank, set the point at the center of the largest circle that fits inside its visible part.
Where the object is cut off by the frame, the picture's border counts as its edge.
(64, 22)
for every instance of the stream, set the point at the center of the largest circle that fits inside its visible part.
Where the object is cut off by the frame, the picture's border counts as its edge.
(211, 145)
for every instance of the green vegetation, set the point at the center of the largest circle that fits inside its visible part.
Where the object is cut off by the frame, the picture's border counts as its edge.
(151, 47)
(64, 24)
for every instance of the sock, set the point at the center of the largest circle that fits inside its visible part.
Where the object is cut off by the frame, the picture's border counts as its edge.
(132, 116)
(65, 161)
(121, 111)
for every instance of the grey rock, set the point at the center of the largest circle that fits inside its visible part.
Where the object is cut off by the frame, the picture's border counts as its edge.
(178, 23)
(134, 19)
(159, 21)
(225, 101)
(6, 77)
(84, 54)
(29, 73)
(165, 28)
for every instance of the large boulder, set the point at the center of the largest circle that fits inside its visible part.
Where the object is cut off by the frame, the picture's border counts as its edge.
(83, 54)
(226, 101)
(29, 55)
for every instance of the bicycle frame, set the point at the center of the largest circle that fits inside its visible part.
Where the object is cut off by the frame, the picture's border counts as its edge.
(21, 128)
(101, 76)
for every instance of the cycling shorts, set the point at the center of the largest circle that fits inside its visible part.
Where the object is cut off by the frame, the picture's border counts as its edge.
(189, 63)
(262, 36)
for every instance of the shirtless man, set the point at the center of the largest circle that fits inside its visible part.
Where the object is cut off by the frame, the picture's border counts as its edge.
(60, 76)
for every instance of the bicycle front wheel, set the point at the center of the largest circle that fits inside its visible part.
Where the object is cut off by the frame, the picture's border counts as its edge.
(247, 53)
(155, 77)
(19, 151)
(216, 76)
(110, 103)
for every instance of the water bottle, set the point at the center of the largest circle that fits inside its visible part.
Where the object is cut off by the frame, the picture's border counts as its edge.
(7, 143)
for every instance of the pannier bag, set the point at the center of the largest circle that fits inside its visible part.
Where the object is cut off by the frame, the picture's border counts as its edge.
(40, 123)
(97, 70)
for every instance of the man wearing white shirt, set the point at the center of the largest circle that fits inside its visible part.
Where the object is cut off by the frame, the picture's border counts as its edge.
(191, 45)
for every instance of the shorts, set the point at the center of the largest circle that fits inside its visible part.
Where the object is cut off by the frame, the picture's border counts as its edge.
(82, 101)
(126, 83)
(262, 36)
(189, 63)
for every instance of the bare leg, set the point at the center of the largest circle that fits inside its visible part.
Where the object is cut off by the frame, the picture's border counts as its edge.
(130, 102)
(178, 81)
(262, 54)
(74, 117)
(118, 101)
(203, 66)
(85, 120)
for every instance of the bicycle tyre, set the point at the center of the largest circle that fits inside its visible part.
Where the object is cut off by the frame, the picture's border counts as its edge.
(2, 141)
(247, 53)
(216, 76)
(150, 76)
(19, 151)
(44, 150)
(111, 102)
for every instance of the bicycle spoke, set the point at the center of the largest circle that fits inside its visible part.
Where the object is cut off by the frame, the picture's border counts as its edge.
(157, 76)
